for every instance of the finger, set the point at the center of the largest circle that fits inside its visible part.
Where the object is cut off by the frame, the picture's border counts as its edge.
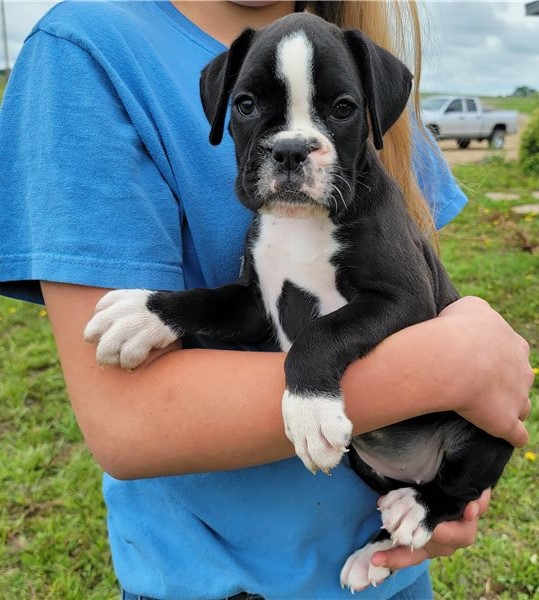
(399, 557)
(477, 507)
(484, 500)
(526, 409)
(471, 512)
(457, 534)
(517, 435)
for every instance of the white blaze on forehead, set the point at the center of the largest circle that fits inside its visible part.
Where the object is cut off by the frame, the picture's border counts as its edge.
(295, 69)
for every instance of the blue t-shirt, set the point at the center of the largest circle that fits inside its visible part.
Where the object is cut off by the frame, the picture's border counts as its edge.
(108, 180)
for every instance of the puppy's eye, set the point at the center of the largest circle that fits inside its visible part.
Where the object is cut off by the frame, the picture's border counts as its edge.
(246, 106)
(342, 110)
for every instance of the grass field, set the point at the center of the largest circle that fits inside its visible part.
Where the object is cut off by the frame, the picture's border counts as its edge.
(523, 105)
(52, 520)
(494, 253)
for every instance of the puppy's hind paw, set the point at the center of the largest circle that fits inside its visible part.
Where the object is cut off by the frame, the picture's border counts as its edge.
(358, 572)
(319, 429)
(404, 518)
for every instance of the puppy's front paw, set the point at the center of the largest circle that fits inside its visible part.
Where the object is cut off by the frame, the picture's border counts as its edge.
(358, 572)
(404, 518)
(318, 428)
(125, 330)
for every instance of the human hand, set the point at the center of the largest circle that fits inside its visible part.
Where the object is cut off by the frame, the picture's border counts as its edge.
(446, 539)
(496, 377)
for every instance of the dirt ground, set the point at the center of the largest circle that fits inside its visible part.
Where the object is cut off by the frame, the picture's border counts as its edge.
(477, 151)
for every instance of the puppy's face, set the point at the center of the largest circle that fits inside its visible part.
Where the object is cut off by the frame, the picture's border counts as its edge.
(298, 116)
(298, 123)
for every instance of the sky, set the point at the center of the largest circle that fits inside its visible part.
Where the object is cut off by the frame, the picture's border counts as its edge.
(483, 47)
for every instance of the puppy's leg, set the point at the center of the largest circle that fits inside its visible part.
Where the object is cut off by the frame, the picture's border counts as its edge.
(410, 514)
(404, 516)
(358, 572)
(128, 324)
(313, 406)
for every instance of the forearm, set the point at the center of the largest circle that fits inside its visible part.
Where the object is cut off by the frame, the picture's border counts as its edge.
(204, 410)
(189, 411)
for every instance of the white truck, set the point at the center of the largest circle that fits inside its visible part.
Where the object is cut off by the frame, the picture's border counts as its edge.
(464, 118)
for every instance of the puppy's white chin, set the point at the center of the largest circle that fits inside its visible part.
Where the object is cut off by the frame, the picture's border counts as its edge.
(294, 211)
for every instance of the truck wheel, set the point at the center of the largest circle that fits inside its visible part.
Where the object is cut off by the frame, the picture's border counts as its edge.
(497, 139)
(463, 143)
(434, 130)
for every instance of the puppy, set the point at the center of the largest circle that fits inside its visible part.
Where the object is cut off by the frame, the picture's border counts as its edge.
(333, 265)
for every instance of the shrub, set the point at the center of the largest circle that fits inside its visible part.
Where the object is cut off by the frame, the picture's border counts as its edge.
(529, 146)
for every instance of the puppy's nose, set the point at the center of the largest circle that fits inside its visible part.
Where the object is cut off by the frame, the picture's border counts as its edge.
(289, 154)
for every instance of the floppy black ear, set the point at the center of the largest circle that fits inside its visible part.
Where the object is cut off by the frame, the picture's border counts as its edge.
(386, 80)
(218, 79)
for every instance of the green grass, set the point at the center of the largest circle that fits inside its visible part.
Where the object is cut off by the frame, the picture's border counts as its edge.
(494, 253)
(52, 520)
(523, 105)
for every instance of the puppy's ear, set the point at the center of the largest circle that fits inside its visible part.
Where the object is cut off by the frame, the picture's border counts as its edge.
(386, 80)
(218, 79)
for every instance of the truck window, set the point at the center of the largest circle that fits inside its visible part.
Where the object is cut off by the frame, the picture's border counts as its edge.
(433, 104)
(470, 105)
(455, 106)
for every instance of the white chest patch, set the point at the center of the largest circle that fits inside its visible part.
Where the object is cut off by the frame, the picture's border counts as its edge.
(299, 251)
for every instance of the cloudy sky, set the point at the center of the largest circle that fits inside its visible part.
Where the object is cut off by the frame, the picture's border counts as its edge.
(481, 47)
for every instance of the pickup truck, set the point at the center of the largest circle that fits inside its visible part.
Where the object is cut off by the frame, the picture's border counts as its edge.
(464, 118)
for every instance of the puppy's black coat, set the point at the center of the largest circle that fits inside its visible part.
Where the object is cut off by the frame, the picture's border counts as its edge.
(308, 157)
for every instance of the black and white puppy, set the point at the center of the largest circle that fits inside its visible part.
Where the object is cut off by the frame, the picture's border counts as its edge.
(333, 265)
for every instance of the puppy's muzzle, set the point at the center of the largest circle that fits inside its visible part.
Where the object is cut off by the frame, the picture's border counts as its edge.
(290, 162)
(295, 175)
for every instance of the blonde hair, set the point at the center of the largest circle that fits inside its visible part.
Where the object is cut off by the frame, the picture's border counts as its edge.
(394, 25)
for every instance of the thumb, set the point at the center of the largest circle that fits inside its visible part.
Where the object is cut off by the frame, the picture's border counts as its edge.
(399, 557)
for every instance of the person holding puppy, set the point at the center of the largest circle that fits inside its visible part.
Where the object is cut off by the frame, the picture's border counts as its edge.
(106, 148)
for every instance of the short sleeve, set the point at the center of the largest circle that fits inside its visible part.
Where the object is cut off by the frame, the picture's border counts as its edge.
(81, 199)
(435, 179)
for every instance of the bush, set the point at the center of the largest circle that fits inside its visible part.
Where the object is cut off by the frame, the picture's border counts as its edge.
(529, 146)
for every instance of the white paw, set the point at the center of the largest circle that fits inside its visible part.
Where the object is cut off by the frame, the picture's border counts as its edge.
(125, 330)
(318, 428)
(402, 517)
(358, 572)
